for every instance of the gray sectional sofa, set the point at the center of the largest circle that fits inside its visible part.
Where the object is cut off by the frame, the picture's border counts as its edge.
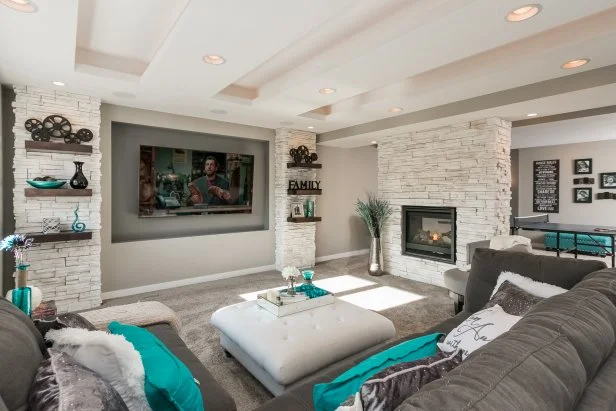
(560, 356)
(22, 349)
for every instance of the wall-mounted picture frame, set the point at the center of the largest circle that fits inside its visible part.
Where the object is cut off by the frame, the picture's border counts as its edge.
(582, 195)
(607, 180)
(297, 209)
(582, 166)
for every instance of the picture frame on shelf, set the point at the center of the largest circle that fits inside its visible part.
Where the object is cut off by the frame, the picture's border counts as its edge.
(607, 180)
(582, 166)
(297, 209)
(582, 195)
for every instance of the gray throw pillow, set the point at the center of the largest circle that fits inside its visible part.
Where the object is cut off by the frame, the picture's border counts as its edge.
(58, 322)
(389, 388)
(62, 384)
(513, 299)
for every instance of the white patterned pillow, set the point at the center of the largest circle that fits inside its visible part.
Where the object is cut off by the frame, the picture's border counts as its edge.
(478, 330)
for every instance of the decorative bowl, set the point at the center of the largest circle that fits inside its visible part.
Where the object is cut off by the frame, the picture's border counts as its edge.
(47, 184)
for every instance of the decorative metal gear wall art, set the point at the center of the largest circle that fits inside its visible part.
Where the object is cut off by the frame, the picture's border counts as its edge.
(56, 126)
(301, 155)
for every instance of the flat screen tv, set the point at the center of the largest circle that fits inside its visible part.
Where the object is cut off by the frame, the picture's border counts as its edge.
(179, 182)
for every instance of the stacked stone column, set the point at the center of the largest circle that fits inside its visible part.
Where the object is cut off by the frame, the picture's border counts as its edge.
(295, 242)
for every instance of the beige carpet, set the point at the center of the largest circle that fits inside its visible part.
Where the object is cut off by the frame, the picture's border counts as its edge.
(195, 304)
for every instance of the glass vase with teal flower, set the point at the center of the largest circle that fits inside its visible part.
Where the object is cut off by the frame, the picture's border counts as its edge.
(22, 294)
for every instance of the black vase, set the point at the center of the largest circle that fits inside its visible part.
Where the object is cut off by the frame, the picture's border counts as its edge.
(79, 181)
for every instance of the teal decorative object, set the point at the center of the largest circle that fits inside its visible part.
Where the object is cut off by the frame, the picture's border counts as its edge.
(46, 184)
(308, 275)
(309, 208)
(169, 385)
(78, 226)
(312, 291)
(22, 299)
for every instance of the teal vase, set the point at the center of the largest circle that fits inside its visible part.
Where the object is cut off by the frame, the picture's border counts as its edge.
(309, 208)
(22, 299)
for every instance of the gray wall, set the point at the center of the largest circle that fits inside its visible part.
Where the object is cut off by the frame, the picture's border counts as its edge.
(127, 226)
(142, 263)
(603, 153)
(346, 176)
(6, 181)
(515, 185)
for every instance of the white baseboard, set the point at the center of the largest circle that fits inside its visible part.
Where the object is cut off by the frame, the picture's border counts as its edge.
(342, 255)
(188, 281)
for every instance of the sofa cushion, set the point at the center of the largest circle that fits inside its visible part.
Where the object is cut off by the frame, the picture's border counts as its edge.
(62, 384)
(603, 281)
(488, 264)
(600, 393)
(22, 352)
(214, 396)
(544, 362)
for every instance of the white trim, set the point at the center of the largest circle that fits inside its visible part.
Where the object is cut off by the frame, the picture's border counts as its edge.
(342, 255)
(188, 281)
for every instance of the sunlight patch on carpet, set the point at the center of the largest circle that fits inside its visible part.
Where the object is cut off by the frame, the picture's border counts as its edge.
(382, 298)
(342, 283)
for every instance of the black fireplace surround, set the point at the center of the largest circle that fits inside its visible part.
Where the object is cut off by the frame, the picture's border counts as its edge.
(429, 232)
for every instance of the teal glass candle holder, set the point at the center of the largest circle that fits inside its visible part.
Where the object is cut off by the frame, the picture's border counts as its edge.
(22, 299)
(308, 275)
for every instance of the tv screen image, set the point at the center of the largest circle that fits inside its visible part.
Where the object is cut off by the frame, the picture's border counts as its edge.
(177, 182)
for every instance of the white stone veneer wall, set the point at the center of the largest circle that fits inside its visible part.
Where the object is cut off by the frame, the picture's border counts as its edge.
(295, 242)
(467, 166)
(67, 272)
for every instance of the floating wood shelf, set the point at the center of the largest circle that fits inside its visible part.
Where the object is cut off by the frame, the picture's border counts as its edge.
(303, 219)
(304, 192)
(57, 192)
(46, 146)
(39, 238)
(304, 165)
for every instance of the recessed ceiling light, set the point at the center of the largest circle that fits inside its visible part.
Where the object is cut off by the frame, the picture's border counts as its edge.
(310, 127)
(531, 115)
(575, 63)
(327, 90)
(395, 109)
(219, 111)
(124, 94)
(373, 142)
(213, 59)
(523, 13)
(58, 83)
(24, 6)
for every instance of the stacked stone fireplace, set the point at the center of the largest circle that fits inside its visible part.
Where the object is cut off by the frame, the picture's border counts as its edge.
(463, 170)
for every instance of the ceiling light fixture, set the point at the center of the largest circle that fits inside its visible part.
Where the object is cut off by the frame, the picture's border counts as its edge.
(327, 90)
(214, 59)
(575, 63)
(395, 109)
(310, 127)
(25, 6)
(373, 142)
(58, 83)
(531, 115)
(523, 13)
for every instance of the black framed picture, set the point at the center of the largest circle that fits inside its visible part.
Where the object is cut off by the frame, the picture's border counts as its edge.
(582, 195)
(582, 166)
(607, 180)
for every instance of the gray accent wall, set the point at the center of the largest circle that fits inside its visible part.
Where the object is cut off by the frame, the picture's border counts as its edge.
(6, 181)
(515, 182)
(347, 175)
(127, 226)
(144, 263)
(603, 153)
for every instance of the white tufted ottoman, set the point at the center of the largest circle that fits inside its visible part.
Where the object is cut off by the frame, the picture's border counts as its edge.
(279, 352)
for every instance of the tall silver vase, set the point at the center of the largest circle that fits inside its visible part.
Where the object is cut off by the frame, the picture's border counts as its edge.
(376, 258)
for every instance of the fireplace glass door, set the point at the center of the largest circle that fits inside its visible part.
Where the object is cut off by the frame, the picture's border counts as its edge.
(429, 232)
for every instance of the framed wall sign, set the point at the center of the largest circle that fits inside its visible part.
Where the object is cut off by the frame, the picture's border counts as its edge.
(582, 166)
(546, 186)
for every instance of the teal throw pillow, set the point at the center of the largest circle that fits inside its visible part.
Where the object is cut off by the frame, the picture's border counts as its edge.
(329, 396)
(169, 385)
